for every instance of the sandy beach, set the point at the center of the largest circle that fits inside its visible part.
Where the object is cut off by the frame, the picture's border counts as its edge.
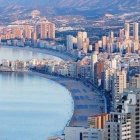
(86, 102)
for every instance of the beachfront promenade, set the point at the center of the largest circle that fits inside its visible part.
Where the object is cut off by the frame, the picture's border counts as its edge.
(86, 102)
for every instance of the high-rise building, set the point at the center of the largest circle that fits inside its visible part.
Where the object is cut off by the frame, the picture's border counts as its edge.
(70, 42)
(131, 104)
(47, 30)
(17, 32)
(94, 59)
(121, 34)
(127, 30)
(80, 39)
(27, 31)
(113, 63)
(98, 72)
(118, 84)
(107, 79)
(85, 45)
(134, 81)
(104, 42)
(34, 34)
(97, 47)
(109, 48)
(136, 31)
(111, 37)
(90, 48)
(118, 127)
(44, 30)
(51, 30)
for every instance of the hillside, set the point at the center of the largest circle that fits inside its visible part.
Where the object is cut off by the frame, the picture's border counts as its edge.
(88, 8)
(120, 4)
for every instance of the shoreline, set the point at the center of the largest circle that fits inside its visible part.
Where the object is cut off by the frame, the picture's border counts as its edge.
(85, 102)
(46, 51)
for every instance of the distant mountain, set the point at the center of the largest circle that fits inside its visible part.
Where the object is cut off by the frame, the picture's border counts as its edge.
(120, 4)
(63, 7)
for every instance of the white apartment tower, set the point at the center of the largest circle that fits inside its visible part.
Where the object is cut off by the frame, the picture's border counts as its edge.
(118, 127)
(131, 104)
(136, 31)
(81, 37)
(94, 59)
(27, 31)
(69, 42)
(127, 30)
(44, 30)
(47, 30)
(134, 81)
(118, 85)
(108, 78)
(51, 30)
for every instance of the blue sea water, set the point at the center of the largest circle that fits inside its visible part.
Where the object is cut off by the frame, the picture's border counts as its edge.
(32, 107)
(12, 53)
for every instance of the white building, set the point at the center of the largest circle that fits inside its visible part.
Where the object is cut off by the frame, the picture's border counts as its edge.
(80, 39)
(81, 133)
(118, 127)
(118, 84)
(136, 31)
(108, 79)
(131, 104)
(127, 30)
(94, 59)
(134, 81)
(70, 42)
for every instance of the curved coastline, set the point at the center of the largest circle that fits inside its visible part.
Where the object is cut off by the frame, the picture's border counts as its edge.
(86, 101)
(41, 109)
(54, 78)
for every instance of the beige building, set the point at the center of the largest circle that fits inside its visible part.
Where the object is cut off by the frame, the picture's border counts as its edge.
(81, 39)
(98, 121)
(51, 30)
(127, 31)
(27, 31)
(119, 84)
(134, 81)
(47, 30)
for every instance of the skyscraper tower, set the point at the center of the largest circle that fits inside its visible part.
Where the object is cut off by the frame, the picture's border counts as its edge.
(80, 39)
(127, 30)
(136, 31)
(47, 30)
(51, 30)
(44, 30)
(94, 59)
(119, 84)
(27, 31)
